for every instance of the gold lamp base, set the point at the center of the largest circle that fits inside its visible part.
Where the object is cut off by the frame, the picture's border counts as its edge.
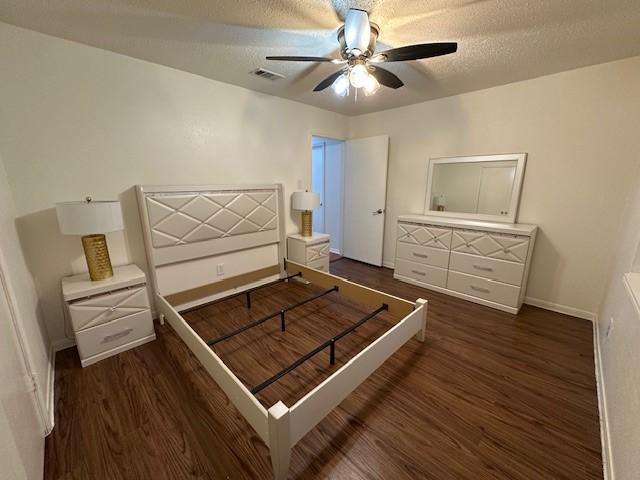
(97, 255)
(307, 223)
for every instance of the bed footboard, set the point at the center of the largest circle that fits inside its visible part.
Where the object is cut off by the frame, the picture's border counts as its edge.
(291, 424)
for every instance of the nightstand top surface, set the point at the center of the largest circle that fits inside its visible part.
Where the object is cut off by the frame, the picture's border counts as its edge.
(314, 238)
(79, 286)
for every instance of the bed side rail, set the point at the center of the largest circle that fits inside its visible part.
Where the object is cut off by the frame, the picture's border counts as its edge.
(239, 395)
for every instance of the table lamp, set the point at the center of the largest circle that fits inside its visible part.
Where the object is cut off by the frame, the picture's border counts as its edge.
(306, 201)
(92, 219)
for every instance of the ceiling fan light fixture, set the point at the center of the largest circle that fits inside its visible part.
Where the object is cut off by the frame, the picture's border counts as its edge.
(358, 76)
(371, 86)
(341, 85)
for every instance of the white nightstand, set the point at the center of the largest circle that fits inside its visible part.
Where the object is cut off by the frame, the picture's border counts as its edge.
(108, 316)
(312, 251)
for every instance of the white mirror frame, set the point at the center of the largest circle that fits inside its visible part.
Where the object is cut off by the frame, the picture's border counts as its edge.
(521, 158)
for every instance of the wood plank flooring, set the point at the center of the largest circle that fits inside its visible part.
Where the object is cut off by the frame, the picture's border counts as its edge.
(487, 396)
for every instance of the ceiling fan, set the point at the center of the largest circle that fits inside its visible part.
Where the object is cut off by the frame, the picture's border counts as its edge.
(357, 38)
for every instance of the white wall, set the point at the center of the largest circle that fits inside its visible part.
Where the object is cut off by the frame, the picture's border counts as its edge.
(22, 296)
(21, 433)
(580, 129)
(619, 351)
(77, 121)
(23, 350)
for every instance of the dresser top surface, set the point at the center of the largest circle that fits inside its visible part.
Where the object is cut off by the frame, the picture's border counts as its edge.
(79, 286)
(514, 228)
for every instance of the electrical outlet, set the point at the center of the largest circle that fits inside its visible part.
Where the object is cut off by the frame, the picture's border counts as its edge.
(299, 184)
(609, 327)
(220, 269)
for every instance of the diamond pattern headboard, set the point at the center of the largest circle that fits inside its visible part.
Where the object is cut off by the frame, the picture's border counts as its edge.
(187, 223)
(182, 218)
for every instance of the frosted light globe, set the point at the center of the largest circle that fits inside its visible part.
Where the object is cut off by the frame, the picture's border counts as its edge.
(341, 85)
(358, 76)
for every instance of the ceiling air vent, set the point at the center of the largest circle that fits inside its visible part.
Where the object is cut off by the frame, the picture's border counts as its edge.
(268, 74)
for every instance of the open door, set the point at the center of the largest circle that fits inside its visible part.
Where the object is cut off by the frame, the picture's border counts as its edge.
(365, 198)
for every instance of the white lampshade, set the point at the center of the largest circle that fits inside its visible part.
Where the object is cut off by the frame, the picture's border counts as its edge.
(89, 217)
(305, 200)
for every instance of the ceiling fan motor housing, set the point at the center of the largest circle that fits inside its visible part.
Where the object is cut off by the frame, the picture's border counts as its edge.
(345, 52)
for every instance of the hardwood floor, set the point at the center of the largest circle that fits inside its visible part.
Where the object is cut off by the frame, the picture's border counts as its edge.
(487, 396)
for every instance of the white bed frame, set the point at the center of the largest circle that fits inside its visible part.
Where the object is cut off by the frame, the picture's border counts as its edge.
(189, 230)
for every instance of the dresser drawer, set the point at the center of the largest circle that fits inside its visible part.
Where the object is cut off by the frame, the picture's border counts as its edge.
(322, 264)
(484, 288)
(424, 235)
(491, 268)
(317, 251)
(488, 244)
(104, 308)
(100, 339)
(422, 273)
(436, 257)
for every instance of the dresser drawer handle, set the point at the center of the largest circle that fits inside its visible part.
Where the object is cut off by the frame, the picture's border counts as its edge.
(116, 336)
(480, 289)
(421, 255)
(418, 272)
(484, 269)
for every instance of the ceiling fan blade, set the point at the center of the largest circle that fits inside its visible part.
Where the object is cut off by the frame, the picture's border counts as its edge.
(328, 81)
(286, 58)
(415, 52)
(386, 78)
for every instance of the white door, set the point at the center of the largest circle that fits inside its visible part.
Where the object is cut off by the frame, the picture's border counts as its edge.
(496, 186)
(365, 198)
(21, 434)
(317, 185)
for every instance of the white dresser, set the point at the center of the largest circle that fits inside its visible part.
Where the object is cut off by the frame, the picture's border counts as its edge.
(108, 316)
(312, 251)
(486, 263)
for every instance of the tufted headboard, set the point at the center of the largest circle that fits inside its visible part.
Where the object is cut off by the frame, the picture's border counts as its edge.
(199, 235)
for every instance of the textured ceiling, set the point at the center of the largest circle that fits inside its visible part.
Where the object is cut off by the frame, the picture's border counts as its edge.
(500, 41)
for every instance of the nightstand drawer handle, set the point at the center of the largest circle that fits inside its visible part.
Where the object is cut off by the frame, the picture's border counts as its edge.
(421, 255)
(418, 272)
(479, 289)
(484, 269)
(116, 336)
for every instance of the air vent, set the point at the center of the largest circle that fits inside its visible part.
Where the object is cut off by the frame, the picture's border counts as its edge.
(268, 74)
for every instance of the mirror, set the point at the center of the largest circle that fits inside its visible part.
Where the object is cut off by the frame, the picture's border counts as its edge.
(478, 187)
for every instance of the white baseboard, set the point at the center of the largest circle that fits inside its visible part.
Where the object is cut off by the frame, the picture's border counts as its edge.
(388, 264)
(607, 466)
(335, 251)
(50, 394)
(556, 307)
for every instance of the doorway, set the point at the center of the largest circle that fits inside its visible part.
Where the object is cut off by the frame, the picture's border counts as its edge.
(351, 178)
(327, 178)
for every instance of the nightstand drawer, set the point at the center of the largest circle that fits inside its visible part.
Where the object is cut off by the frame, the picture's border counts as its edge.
(113, 335)
(104, 308)
(318, 251)
(322, 264)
